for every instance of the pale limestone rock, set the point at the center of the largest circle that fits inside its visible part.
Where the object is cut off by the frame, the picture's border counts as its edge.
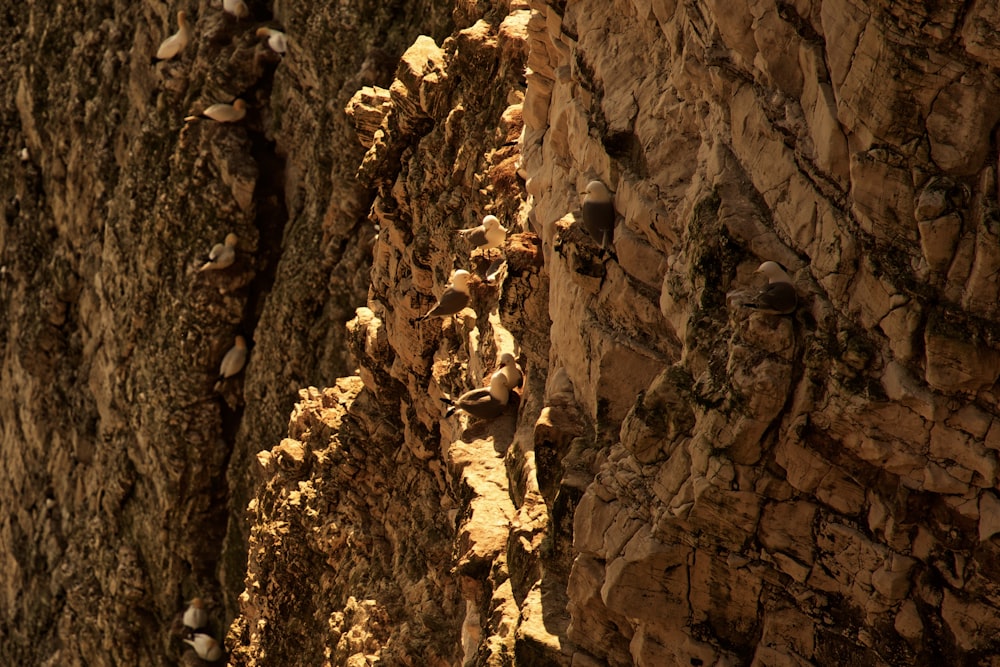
(960, 121)
(788, 528)
(908, 622)
(777, 49)
(938, 479)
(592, 626)
(959, 365)
(871, 297)
(902, 325)
(982, 291)
(949, 444)
(903, 388)
(972, 623)
(989, 515)
(735, 26)
(882, 194)
(648, 580)
(368, 108)
(723, 595)
(820, 108)
(592, 523)
(893, 579)
(790, 633)
(971, 419)
(729, 516)
(979, 32)
(938, 239)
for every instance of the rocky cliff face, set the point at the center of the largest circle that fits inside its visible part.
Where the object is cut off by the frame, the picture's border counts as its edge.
(679, 481)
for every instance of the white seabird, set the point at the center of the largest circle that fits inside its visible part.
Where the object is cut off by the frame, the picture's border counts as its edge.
(599, 213)
(490, 234)
(234, 360)
(454, 298)
(222, 255)
(205, 646)
(195, 616)
(482, 403)
(223, 113)
(275, 39)
(237, 8)
(778, 297)
(174, 44)
(510, 371)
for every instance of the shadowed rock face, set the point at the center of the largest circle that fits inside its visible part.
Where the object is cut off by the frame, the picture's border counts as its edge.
(678, 481)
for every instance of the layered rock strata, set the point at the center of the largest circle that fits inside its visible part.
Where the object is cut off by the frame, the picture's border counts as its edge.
(678, 481)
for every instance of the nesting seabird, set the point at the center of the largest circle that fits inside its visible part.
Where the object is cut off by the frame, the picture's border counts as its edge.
(508, 366)
(599, 213)
(224, 113)
(482, 403)
(237, 8)
(493, 270)
(174, 44)
(222, 255)
(195, 616)
(778, 297)
(234, 360)
(275, 39)
(488, 235)
(205, 646)
(454, 298)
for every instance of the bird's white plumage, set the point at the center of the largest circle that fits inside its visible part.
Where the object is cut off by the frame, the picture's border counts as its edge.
(223, 112)
(276, 39)
(454, 298)
(222, 255)
(234, 360)
(778, 297)
(485, 402)
(510, 371)
(597, 193)
(237, 8)
(205, 646)
(195, 616)
(176, 42)
(489, 234)
(599, 213)
(773, 272)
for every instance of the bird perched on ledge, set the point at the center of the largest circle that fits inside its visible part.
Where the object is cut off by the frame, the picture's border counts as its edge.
(488, 235)
(195, 616)
(482, 403)
(237, 8)
(275, 39)
(222, 112)
(234, 360)
(222, 255)
(508, 366)
(174, 44)
(778, 297)
(599, 213)
(205, 646)
(453, 299)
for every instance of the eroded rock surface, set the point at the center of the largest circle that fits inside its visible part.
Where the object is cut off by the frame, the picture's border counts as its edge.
(678, 481)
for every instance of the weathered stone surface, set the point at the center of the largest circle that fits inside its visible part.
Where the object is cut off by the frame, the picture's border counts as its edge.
(678, 480)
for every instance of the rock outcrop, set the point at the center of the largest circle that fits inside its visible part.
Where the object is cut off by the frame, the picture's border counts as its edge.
(679, 480)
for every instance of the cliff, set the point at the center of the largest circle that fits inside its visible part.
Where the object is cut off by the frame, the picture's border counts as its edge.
(680, 480)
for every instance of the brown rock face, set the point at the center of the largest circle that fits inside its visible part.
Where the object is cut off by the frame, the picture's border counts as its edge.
(678, 481)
